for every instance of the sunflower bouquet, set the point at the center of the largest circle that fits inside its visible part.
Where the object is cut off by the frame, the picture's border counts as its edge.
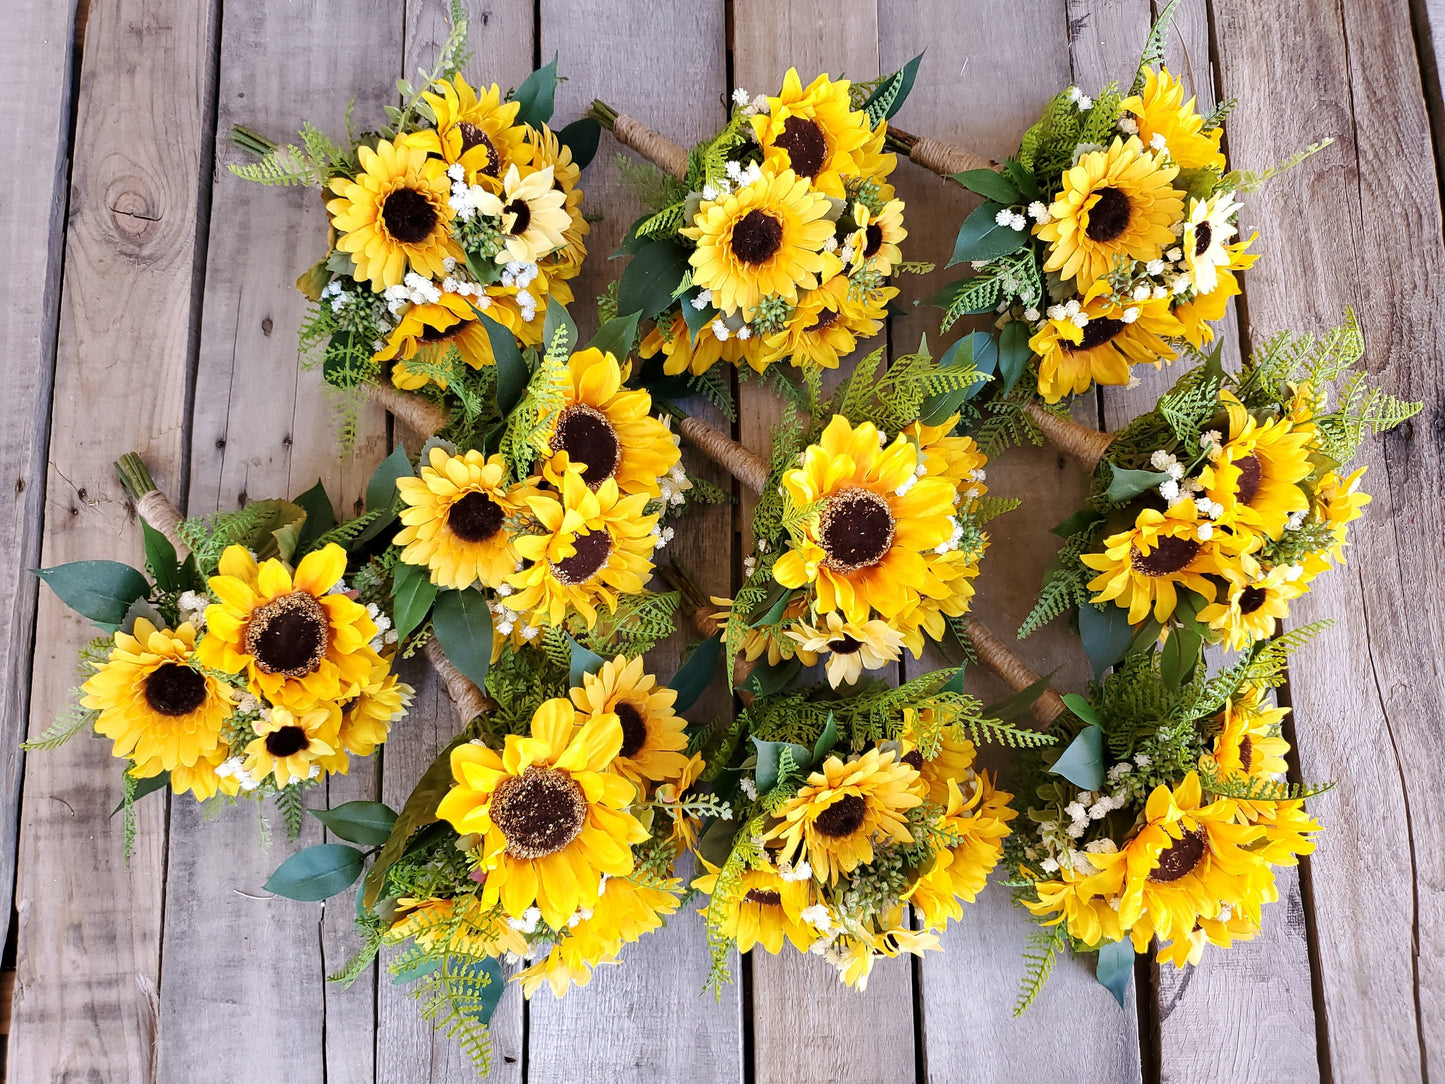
(774, 240)
(1166, 816)
(1212, 513)
(1109, 240)
(254, 668)
(544, 837)
(464, 205)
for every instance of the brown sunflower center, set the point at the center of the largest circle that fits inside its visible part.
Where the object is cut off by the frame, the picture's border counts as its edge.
(538, 812)
(1202, 236)
(634, 729)
(475, 518)
(288, 635)
(408, 216)
(587, 437)
(1097, 332)
(846, 646)
(766, 896)
(1180, 857)
(1251, 599)
(173, 689)
(430, 334)
(826, 319)
(806, 145)
(842, 818)
(914, 759)
(288, 741)
(1169, 555)
(757, 237)
(476, 136)
(1246, 751)
(1109, 217)
(1250, 472)
(873, 239)
(592, 551)
(523, 213)
(856, 530)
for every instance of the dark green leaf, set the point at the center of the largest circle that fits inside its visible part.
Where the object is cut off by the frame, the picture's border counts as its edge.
(1014, 353)
(462, 624)
(651, 278)
(616, 336)
(413, 594)
(769, 610)
(161, 557)
(977, 349)
(558, 320)
(826, 740)
(479, 1001)
(320, 517)
(982, 238)
(696, 674)
(1186, 611)
(367, 823)
(317, 873)
(1178, 656)
(1106, 633)
(1115, 966)
(769, 755)
(381, 490)
(420, 808)
(890, 94)
(1084, 517)
(583, 662)
(512, 375)
(716, 841)
(990, 184)
(766, 680)
(1081, 707)
(974, 295)
(99, 590)
(1019, 703)
(1023, 180)
(697, 318)
(143, 787)
(630, 244)
(1082, 763)
(536, 95)
(1128, 484)
(580, 137)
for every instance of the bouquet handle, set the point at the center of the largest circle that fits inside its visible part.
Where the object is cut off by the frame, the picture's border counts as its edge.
(662, 152)
(468, 700)
(418, 413)
(942, 158)
(1084, 444)
(151, 504)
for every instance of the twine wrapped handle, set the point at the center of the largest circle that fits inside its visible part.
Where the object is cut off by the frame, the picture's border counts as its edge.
(468, 700)
(749, 469)
(151, 504)
(1016, 673)
(934, 154)
(631, 132)
(1084, 444)
(418, 413)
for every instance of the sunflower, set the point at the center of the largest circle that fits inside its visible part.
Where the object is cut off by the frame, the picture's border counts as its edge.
(1248, 744)
(548, 150)
(764, 910)
(952, 759)
(980, 824)
(553, 818)
(775, 643)
(426, 332)
(684, 352)
(877, 237)
(201, 778)
(1338, 503)
(1223, 931)
(460, 924)
(1079, 900)
(366, 720)
(593, 547)
(454, 519)
(959, 459)
(1256, 477)
(1115, 203)
(834, 818)
(890, 937)
(1145, 565)
(1113, 338)
(609, 429)
(1199, 312)
(292, 747)
(876, 518)
(299, 641)
(479, 131)
(653, 736)
(1207, 232)
(1252, 604)
(763, 240)
(153, 703)
(814, 132)
(817, 333)
(533, 213)
(396, 214)
(875, 163)
(925, 618)
(851, 648)
(1168, 123)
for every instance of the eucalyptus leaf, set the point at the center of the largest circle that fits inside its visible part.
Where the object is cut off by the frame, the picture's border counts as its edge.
(580, 137)
(1082, 763)
(462, 624)
(512, 374)
(99, 590)
(697, 673)
(769, 759)
(652, 277)
(1106, 633)
(990, 184)
(697, 318)
(1115, 966)
(138, 609)
(367, 823)
(317, 873)
(1125, 485)
(412, 593)
(616, 336)
(537, 95)
(982, 238)
(583, 661)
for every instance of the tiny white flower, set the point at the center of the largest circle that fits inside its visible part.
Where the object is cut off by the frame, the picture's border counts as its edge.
(741, 97)
(1031, 315)
(720, 331)
(1129, 315)
(1039, 211)
(1017, 222)
(749, 788)
(1141, 293)
(1004, 217)
(1080, 319)
(1174, 255)
(818, 916)
(1158, 143)
(1155, 267)
(1128, 125)
(702, 300)
(1205, 532)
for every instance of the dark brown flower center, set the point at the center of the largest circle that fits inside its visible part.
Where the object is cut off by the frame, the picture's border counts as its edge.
(408, 216)
(538, 812)
(288, 741)
(523, 214)
(806, 145)
(1250, 472)
(846, 646)
(826, 319)
(842, 818)
(1251, 599)
(914, 759)
(856, 530)
(592, 551)
(1109, 217)
(475, 518)
(873, 239)
(1202, 236)
(634, 729)
(430, 334)
(588, 438)
(1180, 857)
(288, 635)
(757, 237)
(766, 896)
(1097, 332)
(1246, 751)
(475, 136)
(1169, 555)
(173, 689)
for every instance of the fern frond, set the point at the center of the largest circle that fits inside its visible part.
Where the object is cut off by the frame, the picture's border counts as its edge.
(1257, 788)
(1039, 956)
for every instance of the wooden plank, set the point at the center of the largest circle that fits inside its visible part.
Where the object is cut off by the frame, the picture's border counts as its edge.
(89, 925)
(1366, 694)
(33, 193)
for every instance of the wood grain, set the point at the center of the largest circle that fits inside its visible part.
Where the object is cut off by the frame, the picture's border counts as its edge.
(89, 925)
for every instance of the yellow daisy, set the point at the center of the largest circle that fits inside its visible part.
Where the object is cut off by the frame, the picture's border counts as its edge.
(1159, 109)
(957, 459)
(548, 150)
(1115, 337)
(1079, 900)
(850, 648)
(1338, 503)
(815, 132)
(478, 130)
(1199, 312)
(1248, 744)
(766, 909)
(777, 647)
(533, 213)
(1252, 604)
(292, 747)
(1144, 566)
(653, 736)
(684, 352)
(366, 720)
(924, 619)
(1256, 477)
(952, 760)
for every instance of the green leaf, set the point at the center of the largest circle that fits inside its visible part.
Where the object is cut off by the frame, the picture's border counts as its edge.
(320, 517)
(769, 755)
(1106, 633)
(99, 590)
(580, 137)
(1179, 656)
(770, 609)
(716, 842)
(977, 294)
(381, 490)
(826, 740)
(1023, 180)
(696, 674)
(462, 624)
(537, 95)
(367, 823)
(978, 350)
(990, 184)
(1014, 353)
(412, 593)
(651, 278)
(1082, 763)
(616, 336)
(420, 808)
(982, 238)
(1081, 707)
(765, 680)
(161, 557)
(558, 320)
(317, 873)
(1128, 484)
(1084, 517)
(512, 375)
(582, 662)
(143, 787)
(1115, 966)
(1019, 703)
(697, 318)
(890, 94)
(420, 970)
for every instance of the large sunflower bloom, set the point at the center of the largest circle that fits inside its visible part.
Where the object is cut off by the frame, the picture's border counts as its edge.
(1144, 566)
(299, 642)
(654, 737)
(1114, 203)
(396, 214)
(815, 132)
(766, 909)
(837, 814)
(153, 703)
(454, 519)
(1072, 358)
(1159, 109)
(1257, 476)
(763, 240)
(478, 130)
(864, 546)
(553, 818)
